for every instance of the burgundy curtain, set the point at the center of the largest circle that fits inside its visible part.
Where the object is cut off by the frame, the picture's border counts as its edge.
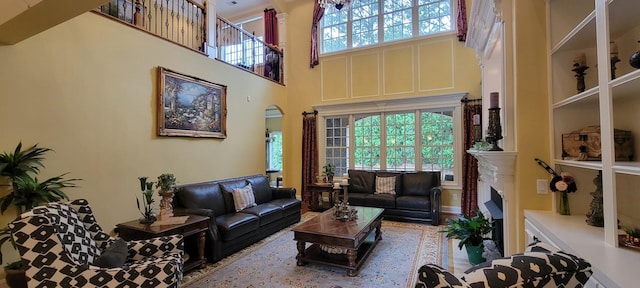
(309, 151)
(270, 27)
(462, 21)
(318, 12)
(469, 196)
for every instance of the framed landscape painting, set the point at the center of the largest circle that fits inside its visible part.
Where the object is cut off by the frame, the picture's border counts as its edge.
(191, 107)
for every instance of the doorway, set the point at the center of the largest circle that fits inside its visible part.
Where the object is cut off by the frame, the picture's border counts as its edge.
(273, 145)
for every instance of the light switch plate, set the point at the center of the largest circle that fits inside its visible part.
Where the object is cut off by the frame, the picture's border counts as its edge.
(542, 186)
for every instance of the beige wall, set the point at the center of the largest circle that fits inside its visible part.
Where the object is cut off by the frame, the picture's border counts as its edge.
(531, 111)
(429, 66)
(87, 89)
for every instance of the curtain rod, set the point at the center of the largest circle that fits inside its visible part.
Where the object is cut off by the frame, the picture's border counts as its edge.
(305, 113)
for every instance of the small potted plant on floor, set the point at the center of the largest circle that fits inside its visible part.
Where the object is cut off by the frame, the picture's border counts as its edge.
(471, 231)
(25, 193)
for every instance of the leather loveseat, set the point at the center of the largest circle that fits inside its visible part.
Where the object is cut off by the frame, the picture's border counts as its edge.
(412, 196)
(231, 230)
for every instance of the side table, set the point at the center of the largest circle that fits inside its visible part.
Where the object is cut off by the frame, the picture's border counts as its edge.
(195, 227)
(316, 190)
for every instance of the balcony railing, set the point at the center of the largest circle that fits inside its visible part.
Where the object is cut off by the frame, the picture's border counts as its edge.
(184, 22)
(245, 50)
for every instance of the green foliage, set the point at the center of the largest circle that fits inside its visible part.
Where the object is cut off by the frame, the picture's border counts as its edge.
(632, 231)
(328, 170)
(166, 181)
(27, 191)
(469, 230)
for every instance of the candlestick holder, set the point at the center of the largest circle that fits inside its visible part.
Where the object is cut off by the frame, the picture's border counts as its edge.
(477, 133)
(579, 69)
(614, 60)
(494, 132)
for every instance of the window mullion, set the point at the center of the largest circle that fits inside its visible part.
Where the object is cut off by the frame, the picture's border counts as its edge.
(418, 140)
(352, 142)
(415, 27)
(349, 29)
(383, 141)
(380, 21)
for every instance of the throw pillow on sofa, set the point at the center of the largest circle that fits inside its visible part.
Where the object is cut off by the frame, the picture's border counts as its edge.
(386, 185)
(243, 197)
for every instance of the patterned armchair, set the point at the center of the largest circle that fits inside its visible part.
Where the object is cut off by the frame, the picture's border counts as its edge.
(59, 242)
(540, 266)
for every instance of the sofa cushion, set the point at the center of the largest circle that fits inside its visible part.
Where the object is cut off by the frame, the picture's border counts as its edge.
(234, 225)
(114, 256)
(266, 212)
(227, 188)
(357, 199)
(385, 185)
(243, 197)
(362, 181)
(398, 180)
(261, 188)
(289, 206)
(414, 203)
(419, 183)
(206, 195)
(380, 201)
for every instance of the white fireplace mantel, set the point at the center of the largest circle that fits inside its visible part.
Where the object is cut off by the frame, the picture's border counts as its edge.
(496, 169)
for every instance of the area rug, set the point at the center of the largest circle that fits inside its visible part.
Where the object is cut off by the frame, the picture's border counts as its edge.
(272, 262)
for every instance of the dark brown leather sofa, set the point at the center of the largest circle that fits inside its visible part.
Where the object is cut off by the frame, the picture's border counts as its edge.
(417, 194)
(231, 231)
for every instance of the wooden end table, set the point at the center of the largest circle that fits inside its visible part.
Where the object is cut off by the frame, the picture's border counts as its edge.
(195, 226)
(357, 238)
(315, 199)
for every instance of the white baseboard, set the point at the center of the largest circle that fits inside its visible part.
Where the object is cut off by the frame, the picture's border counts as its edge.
(451, 209)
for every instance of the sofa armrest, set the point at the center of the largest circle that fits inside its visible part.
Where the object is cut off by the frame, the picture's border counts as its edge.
(283, 192)
(213, 228)
(432, 275)
(436, 195)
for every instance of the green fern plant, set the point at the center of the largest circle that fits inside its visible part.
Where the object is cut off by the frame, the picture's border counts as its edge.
(469, 230)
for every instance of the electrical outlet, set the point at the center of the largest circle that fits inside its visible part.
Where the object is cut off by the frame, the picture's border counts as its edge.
(542, 186)
(455, 196)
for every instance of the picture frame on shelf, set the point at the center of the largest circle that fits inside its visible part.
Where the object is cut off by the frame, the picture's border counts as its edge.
(190, 107)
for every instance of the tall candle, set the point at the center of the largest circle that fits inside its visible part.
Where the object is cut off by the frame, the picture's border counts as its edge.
(613, 48)
(493, 100)
(476, 119)
(580, 60)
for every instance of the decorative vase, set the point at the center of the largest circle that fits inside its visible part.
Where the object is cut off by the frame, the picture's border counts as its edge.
(475, 254)
(166, 204)
(563, 204)
(634, 60)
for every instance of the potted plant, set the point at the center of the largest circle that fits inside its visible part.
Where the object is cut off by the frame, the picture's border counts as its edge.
(471, 231)
(166, 183)
(26, 192)
(328, 171)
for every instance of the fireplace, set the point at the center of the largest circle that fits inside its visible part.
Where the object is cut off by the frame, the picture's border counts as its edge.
(494, 205)
(496, 185)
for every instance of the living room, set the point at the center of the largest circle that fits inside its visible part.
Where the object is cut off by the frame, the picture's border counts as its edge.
(87, 88)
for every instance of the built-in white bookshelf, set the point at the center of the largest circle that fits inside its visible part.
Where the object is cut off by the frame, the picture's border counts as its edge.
(588, 27)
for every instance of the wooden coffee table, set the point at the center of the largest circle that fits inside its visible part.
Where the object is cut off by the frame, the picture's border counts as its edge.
(341, 244)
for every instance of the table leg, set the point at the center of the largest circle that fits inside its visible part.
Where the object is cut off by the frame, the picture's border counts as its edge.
(379, 231)
(313, 201)
(301, 246)
(201, 242)
(351, 255)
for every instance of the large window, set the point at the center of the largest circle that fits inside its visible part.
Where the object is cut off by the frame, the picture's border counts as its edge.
(369, 22)
(421, 139)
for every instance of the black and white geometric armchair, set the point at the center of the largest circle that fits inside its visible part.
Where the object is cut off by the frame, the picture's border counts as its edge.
(63, 246)
(540, 266)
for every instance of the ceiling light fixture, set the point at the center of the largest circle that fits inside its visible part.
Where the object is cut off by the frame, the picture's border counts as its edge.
(339, 4)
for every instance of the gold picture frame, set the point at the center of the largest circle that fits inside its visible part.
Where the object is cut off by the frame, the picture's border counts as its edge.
(190, 107)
